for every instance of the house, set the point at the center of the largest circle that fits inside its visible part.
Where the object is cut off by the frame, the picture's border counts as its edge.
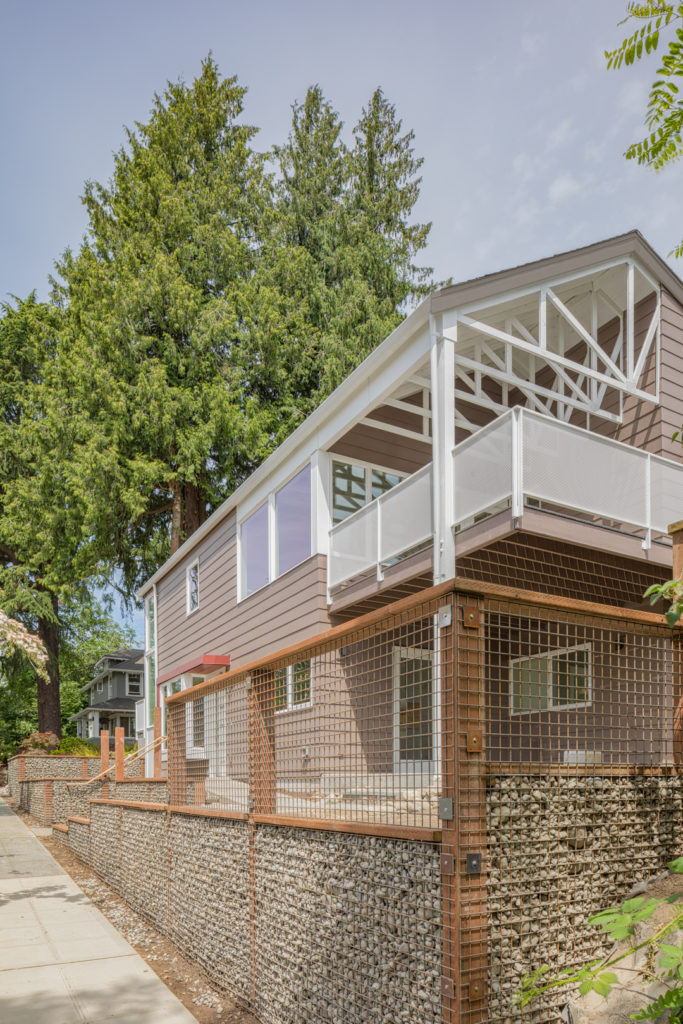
(112, 694)
(516, 429)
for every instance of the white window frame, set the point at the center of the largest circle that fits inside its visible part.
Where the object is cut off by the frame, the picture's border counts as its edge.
(141, 684)
(270, 501)
(368, 467)
(398, 653)
(547, 656)
(188, 572)
(291, 706)
(150, 681)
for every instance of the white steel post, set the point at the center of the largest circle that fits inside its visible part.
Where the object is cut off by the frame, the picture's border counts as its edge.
(517, 462)
(380, 574)
(647, 540)
(442, 372)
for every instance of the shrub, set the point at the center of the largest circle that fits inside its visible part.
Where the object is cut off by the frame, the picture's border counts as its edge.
(77, 747)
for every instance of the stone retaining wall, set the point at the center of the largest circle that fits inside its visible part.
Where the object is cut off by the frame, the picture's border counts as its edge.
(337, 928)
(348, 928)
(79, 840)
(145, 791)
(59, 766)
(33, 798)
(210, 921)
(561, 848)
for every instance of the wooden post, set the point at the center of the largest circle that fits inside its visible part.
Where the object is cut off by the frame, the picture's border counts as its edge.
(470, 741)
(449, 837)
(84, 768)
(157, 748)
(262, 786)
(104, 749)
(676, 534)
(119, 735)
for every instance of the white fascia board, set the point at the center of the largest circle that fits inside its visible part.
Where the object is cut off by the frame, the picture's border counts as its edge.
(375, 378)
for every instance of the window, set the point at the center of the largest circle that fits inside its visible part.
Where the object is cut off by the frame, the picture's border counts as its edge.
(293, 519)
(166, 690)
(556, 680)
(192, 587)
(354, 485)
(277, 536)
(195, 721)
(150, 657)
(134, 684)
(293, 687)
(254, 551)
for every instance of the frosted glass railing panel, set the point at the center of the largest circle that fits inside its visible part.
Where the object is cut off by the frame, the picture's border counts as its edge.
(667, 494)
(353, 545)
(583, 471)
(482, 469)
(406, 515)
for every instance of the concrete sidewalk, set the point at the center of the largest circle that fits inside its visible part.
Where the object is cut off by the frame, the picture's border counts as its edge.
(61, 961)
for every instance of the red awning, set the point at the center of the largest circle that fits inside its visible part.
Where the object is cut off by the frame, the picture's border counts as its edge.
(202, 665)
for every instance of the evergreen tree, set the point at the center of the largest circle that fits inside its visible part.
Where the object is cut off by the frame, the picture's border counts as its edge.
(153, 298)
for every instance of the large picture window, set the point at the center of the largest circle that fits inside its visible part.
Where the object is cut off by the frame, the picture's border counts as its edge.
(254, 551)
(293, 519)
(552, 681)
(277, 536)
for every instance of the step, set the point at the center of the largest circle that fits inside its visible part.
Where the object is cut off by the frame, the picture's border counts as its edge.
(60, 828)
(79, 821)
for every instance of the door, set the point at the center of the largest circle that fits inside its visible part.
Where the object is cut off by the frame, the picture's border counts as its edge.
(414, 710)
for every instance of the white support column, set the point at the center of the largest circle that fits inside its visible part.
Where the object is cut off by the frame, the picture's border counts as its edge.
(517, 463)
(442, 370)
(321, 519)
(630, 320)
(647, 540)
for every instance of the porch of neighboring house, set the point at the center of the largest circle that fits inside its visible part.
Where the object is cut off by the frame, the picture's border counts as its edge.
(109, 715)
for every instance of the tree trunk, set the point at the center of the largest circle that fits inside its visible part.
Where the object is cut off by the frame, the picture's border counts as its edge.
(177, 519)
(191, 496)
(49, 710)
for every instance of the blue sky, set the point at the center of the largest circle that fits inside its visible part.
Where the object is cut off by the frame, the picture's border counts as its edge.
(521, 128)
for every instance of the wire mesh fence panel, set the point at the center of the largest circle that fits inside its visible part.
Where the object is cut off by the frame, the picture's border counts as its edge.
(577, 799)
(345, 730)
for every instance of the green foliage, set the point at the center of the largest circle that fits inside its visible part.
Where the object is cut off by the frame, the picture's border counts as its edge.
(664, 117)
(672, 593)
(74, 745)
(599, 976)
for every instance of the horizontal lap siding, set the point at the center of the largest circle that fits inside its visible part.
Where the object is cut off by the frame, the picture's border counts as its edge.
(289, 609)
(671, 390)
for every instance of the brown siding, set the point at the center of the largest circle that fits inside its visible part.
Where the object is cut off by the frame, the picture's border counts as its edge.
(671, 375)
(289, 609)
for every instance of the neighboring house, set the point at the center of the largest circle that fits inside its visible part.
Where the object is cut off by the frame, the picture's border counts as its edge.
(112, 694)
(521, 418)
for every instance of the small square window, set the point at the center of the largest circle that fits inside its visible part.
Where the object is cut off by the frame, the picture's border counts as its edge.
(134, 684)
(552, 681)
(292, 688)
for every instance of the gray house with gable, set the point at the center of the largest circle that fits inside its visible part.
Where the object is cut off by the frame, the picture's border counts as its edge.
(112, 694)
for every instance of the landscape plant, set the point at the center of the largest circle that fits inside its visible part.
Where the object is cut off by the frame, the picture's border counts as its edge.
(663, 962)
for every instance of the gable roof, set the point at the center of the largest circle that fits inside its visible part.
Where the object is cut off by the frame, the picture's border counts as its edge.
(632, 243)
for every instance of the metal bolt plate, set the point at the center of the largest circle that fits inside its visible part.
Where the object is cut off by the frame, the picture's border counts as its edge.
(447, 864)
(475, 741)
(446, 808)
(477, 991)
(470, 616)
(447, 988)
(473, 864)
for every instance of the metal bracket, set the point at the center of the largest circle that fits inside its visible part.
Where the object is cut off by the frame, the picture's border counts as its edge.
(446, 808)
(447, 864)
(447, 990)
(445, 616)
(473, 863)
(476, 991)
(470, 616)
(475, 741)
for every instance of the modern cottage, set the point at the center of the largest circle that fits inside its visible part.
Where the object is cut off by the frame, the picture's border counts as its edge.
(112, 694)
(417, 722)
(516, 428)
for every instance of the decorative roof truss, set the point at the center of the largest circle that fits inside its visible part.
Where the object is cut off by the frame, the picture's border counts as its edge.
(571, 348)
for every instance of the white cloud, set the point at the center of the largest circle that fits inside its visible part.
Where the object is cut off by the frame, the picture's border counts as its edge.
(531, 44)
(561, 134)
(563, 187)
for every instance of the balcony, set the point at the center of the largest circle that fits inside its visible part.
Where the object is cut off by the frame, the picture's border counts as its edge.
(521, 460)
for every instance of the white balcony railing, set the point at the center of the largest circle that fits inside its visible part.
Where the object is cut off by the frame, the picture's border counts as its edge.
(524, 455)
(383, 530)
